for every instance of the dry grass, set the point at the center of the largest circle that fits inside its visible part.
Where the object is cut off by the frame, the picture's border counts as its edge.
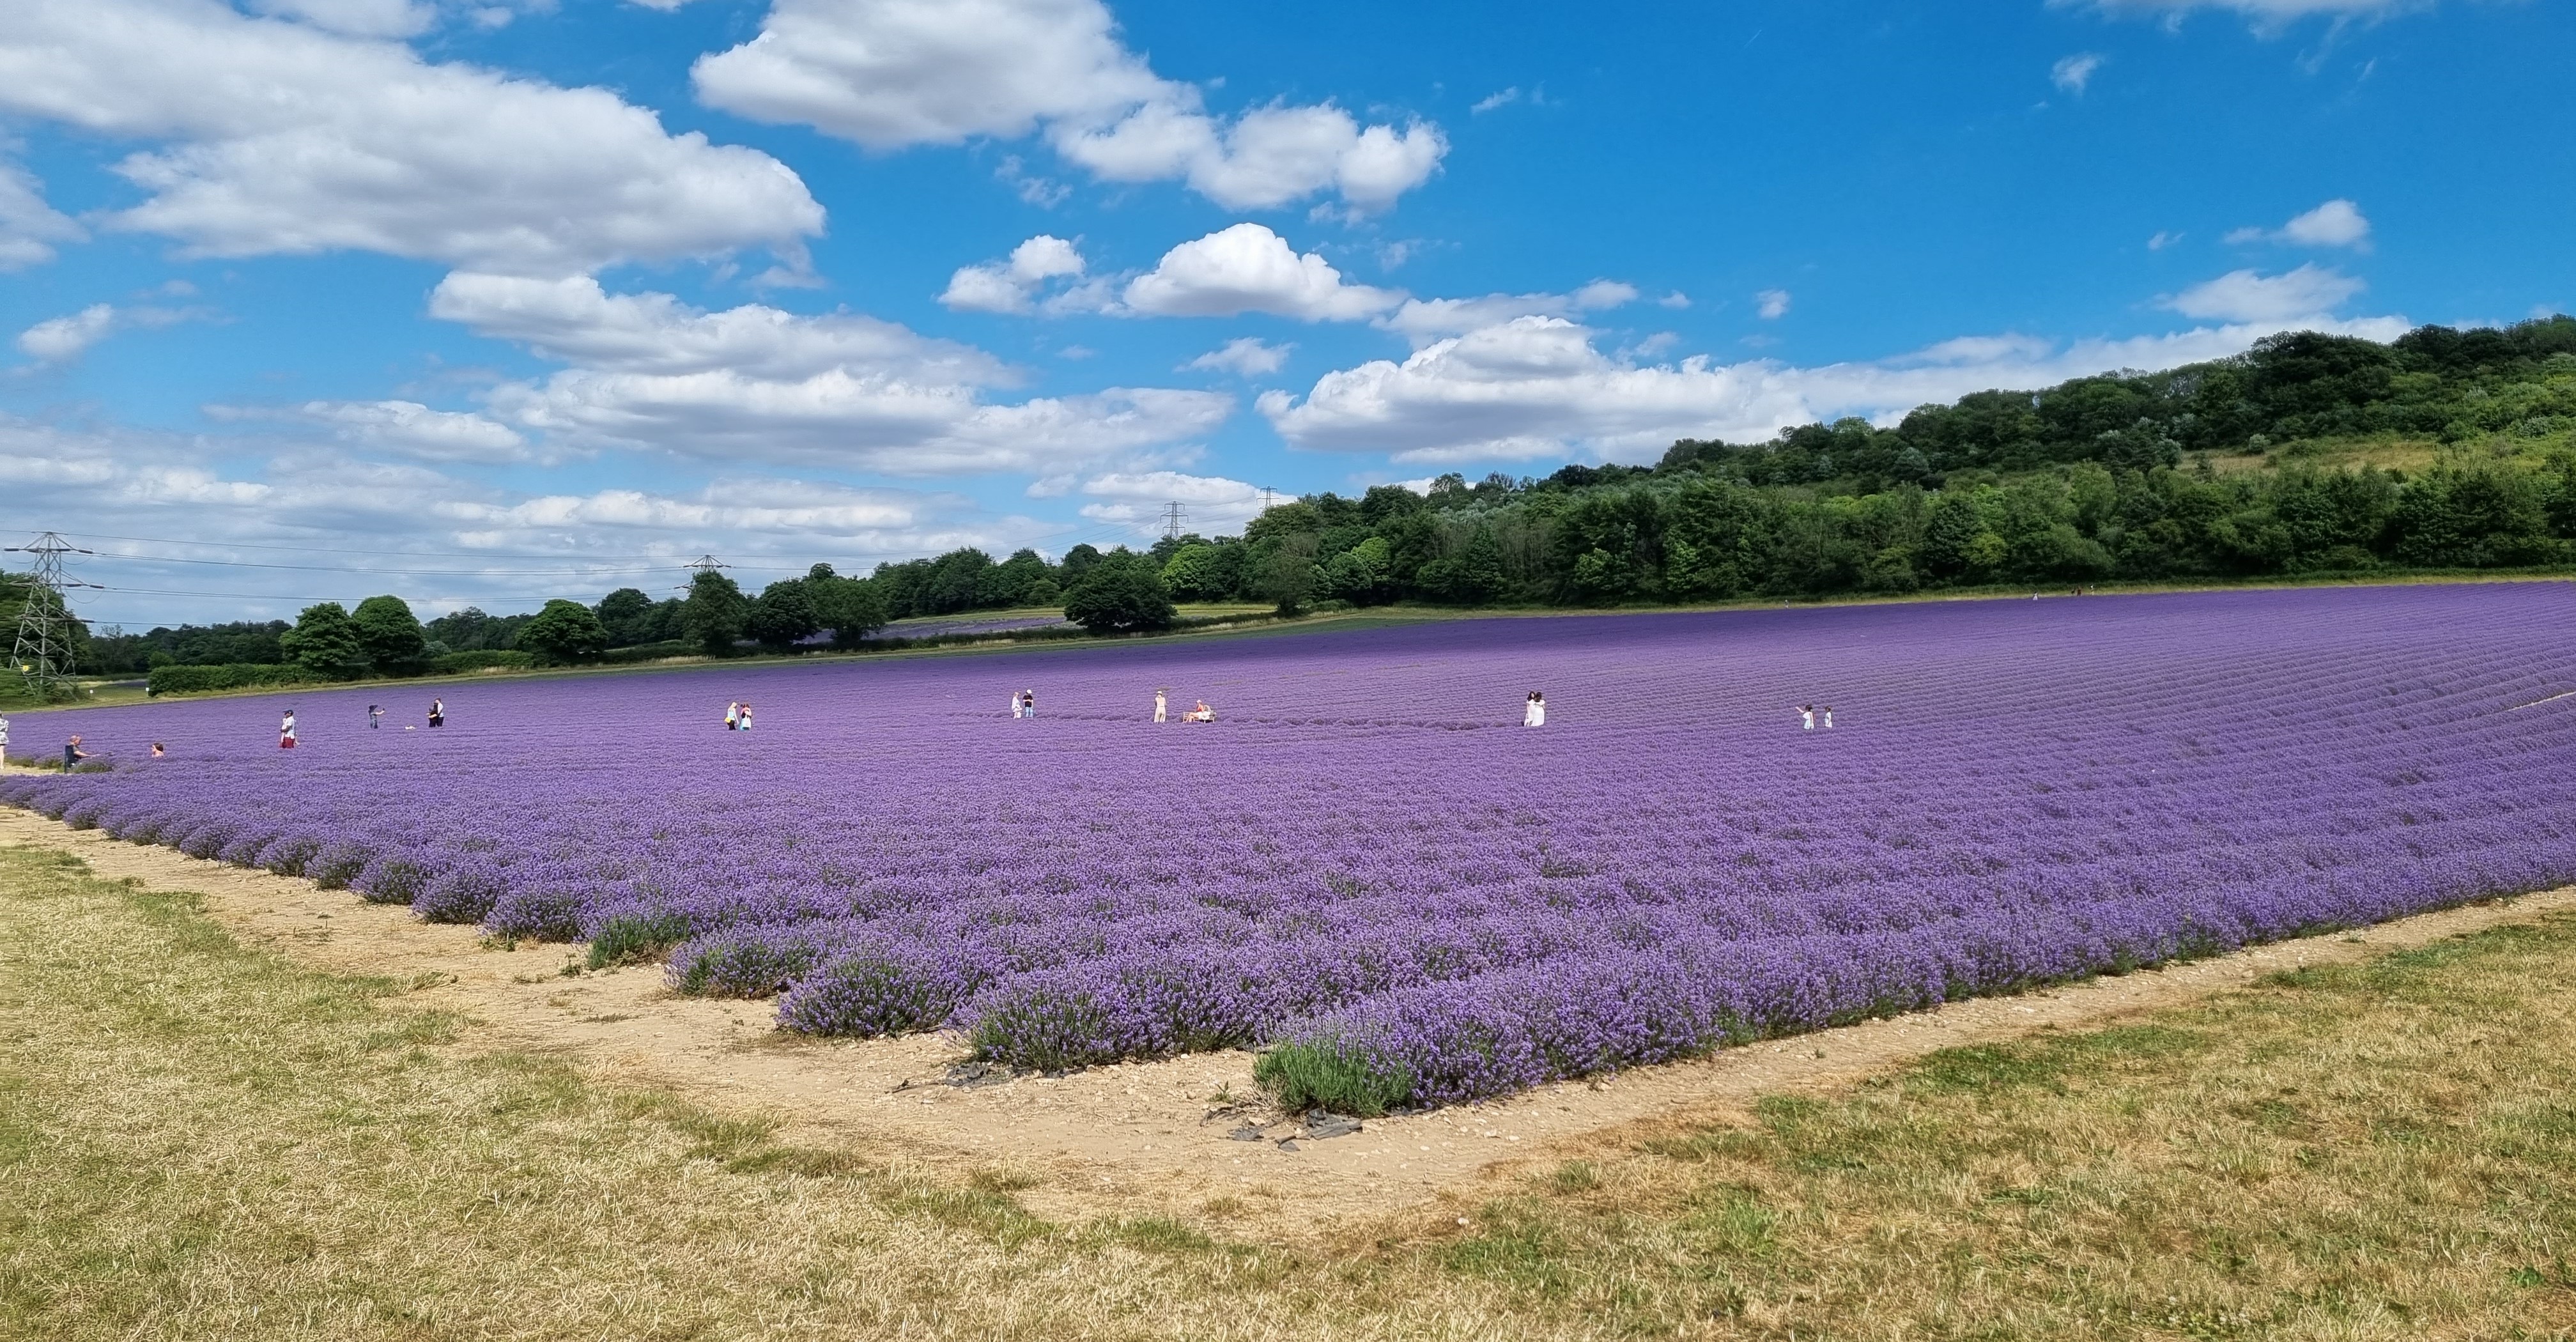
(203, 1141)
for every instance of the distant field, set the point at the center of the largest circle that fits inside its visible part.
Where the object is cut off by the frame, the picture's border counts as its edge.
(1369, 866)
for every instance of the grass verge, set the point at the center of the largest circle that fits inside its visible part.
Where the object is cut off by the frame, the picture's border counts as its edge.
(200, 1140)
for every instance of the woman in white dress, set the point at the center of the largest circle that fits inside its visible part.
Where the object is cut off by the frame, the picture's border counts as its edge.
(1534, 714)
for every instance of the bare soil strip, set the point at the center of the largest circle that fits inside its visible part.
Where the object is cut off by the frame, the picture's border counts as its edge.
(1160, 1137)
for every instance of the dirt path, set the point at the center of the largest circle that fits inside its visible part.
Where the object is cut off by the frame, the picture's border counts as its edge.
(1139, 1137)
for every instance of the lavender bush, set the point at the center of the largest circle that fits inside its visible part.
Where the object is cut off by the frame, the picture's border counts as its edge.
(1368, 869)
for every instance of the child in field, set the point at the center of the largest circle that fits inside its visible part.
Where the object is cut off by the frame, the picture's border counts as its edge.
(1534, 714)
(1806, 717)
(286, 731)
(1829, 717)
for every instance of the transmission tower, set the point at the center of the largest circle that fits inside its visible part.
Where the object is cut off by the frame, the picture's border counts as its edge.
(702, 564)
(1172, 519)
(43, 653)
(1266, 493)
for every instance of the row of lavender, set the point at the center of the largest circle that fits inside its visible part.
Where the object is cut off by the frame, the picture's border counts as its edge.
(1367, 866)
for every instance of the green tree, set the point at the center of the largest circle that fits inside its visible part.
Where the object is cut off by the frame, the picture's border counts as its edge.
(852, 608)
(325, 642)
(391, 636)
(783, 614)
(1119, 593)
(1191, 573)
(565, 631)
(627, 615)
(713, 614)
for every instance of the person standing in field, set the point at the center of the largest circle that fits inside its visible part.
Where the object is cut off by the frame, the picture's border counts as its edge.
(746, 716)
(1829, 717)
(1161, 706)
(286, 731)
(375, 717)
(73, 754)
(4, 736)
(1029, 702)
(733, 716)
(1806, 717)
(437, 712)
(1535, 713)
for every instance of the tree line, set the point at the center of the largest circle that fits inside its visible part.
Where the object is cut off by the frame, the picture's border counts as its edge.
(2112, 477)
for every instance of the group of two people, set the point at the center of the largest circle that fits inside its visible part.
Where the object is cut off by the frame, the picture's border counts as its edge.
(1807, 717)
(738, 716)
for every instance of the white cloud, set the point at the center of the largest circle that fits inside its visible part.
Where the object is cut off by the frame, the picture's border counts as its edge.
(1211, 505)
(1244, 357)
(2246, 296)
(28, 226)
(1011, 285)
(1423, 320)
(2162, 240)
(358, 18)
(2074, 73)
(1248, 268)
(758, 383)
(415, 430)
(276, 137)
(1771, 304)
(2337, 223)
(271, 492)
(62, 339)
(1538, 387)
(896, 73)
(1491, 101)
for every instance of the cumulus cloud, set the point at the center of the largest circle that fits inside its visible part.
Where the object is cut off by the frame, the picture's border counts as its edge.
(1012, 285)
(2247, 296)
(283, 491)
(1423, 320)
(896, 73)
(1248, 268)
(62, 339)
(410, 429)
(29, 227)
(758, 383)
(2337, 223)
(2074, 73)
(1771, 304)
(1539, 387)
(1211, 504)
(1245, 357)
(277, 137)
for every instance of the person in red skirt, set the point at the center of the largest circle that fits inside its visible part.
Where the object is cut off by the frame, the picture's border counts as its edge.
(286, 731)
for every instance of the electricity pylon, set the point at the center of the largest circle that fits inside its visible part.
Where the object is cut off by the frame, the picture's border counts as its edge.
(43, 653)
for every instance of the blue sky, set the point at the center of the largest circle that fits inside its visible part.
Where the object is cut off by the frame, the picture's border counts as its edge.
(500, 299)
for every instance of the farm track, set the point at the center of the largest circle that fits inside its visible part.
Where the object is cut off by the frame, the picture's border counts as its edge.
(1136, 1136)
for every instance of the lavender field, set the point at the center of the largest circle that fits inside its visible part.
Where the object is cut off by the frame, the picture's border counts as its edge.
(1368, 868)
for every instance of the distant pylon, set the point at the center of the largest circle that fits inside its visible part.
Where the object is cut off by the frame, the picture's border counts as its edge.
(1266, 493)
(43, 653)
(1172, 519)
(702, 564)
